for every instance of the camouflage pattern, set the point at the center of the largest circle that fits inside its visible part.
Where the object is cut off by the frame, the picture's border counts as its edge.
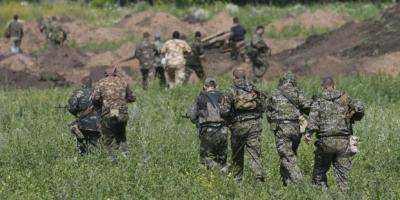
(246, 130)
(159, 68)
(194, 60)
(145, 52)
(111, 95)
(213, 133)
(285, 106)
(54, 33)
(175, 69)
(87, 122)
(331, 117)
(15, 32)
(258, 52)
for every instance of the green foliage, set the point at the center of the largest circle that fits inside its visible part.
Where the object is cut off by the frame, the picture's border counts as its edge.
(38, 158)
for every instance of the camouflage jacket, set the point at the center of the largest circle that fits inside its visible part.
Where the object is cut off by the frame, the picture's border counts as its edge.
(175, 51)
(112, 94)
(333, 113)
(258, 46)
(78, 104)
(200, 114)
(158, 55)
(15, 30)
(287, 104)
(197, 52)
(228, 109)
(145, 53)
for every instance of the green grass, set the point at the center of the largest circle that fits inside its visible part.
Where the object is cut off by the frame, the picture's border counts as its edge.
(38, 158)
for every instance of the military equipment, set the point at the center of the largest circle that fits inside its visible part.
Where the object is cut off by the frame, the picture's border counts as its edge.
(61, 107)
(216, 41)
(211, 37)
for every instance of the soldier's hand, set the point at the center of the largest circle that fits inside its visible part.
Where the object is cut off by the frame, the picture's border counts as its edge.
(307, 138)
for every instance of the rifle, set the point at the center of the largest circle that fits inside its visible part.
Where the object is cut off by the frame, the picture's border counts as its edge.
(211, 37)
(59, 106)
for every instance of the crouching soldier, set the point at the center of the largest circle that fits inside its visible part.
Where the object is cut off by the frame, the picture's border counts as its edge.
(86, 127)
(205, 113)
(331, 117)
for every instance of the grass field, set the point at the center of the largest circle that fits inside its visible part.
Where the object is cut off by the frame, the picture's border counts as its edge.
(38, 158)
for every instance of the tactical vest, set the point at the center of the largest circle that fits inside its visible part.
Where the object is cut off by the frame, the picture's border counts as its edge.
(209, 107)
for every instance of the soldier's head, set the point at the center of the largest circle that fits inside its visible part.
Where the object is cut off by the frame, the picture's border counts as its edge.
(239, 74)
(197, 35)
(176, 35)
(260, 30)
(86, 81)
(16, 17)
(157, 36)
(288, 79)
(111, 71)
(236, 20)
(146, 35)
(210, 84)
(328, 83)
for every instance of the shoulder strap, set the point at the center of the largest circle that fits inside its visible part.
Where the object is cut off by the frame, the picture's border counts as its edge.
(289, 99)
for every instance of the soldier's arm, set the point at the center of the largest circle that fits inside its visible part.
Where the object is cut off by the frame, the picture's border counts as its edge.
(129, 95)
(226, 105)
(73, 103)
(187, 48)
(304, 102)
(313, 119)
(96, 97)
(193, 112)
(356, 109)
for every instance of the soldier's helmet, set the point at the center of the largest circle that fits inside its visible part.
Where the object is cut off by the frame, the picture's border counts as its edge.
(210, 82)
(288, 77)
(239, 73)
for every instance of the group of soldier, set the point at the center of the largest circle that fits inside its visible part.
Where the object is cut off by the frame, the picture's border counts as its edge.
(330, 116)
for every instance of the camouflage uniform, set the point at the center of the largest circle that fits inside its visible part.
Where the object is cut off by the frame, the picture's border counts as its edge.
(213, 133)
(285, 106)
(145, 53)
(15, 32)
(258, 52)
(53, 32)
(175, 51)
(86, 127)
(245, 128)
(159, 68)
(331, 118)
(111, 95)
(194, 60)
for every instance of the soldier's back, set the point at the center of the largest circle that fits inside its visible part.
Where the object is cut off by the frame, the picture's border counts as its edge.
(113, 92)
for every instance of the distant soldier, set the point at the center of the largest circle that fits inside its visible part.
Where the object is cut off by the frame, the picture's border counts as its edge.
(236, 39)
(213, 134)
(194, 59)
(243, 107)
(285, 107)
(15, 32)
(175, 50)
(54, 33)
(159, 67)
(86, 127)
(258, 52)
(145, 52)
(111, 95)
(332, 117)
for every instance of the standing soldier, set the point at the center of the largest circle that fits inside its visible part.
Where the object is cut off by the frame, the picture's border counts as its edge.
(175, 50)
(159, 68)
(54, 33)
(15, 32)
(258, 52)
(145, 52)
(205, 113)
(111, 95)
(331, 117)
(285, 107)
(243, 107)
(236, 39)
(86, 127)
(194, 58)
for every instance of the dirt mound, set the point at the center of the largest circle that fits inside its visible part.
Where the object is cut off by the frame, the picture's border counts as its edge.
(62, 57)
(386, 64)
(319, 19)
(20, 62)
(344, 50)
(221, 22)
(279, 45)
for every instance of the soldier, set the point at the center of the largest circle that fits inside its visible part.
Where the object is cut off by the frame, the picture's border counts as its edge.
(15, 32)
(331, 117)
(159, 68)
(111, 95)
(145, 52)
(285, 106)
(194, 58)
(236, 39)
(86, 127)
(243, 107)
(175, 50)
(213, 134)
(258, 52)
(54, 33)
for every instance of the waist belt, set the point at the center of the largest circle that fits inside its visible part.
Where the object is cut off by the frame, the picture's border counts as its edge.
(211, 124)
(327, 134)
(286, 121)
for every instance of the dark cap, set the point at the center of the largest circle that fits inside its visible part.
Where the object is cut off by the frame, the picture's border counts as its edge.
(210, 82)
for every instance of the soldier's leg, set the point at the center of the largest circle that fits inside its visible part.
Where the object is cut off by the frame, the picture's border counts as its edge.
(199, 70)
(253, 146)
(234, 50)
(145, 78)
(206, 148)
(188, 73)
(322, 162)
(341, 167)
(92, 139)
(108, 137)
(180, 74)
(290, 172)
(121, 137)
(237, 146)
(170, 76)
(160, 73)
(220, 146)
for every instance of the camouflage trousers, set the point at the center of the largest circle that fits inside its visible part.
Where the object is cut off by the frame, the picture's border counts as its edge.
(175, 75)
(145, 77)
(332, 151)
(246, 135)
(16, 45)
(237, 50)
(114, 135)
(259, 67)
(287, 139)
(86, 144)
(197, 69)
(160, 74)
(213, 146)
